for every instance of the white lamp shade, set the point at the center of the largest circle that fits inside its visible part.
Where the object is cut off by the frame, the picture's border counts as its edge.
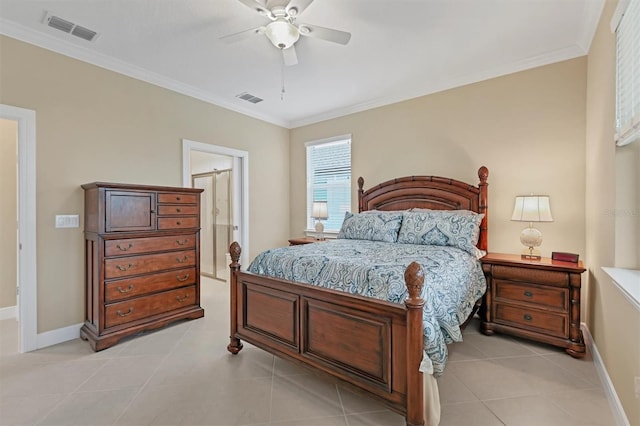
(532, 208)
(282, 33)
(319, 210)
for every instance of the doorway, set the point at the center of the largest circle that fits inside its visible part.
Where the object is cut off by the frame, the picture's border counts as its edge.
(216, 224)
(26, 301)
(231, 178)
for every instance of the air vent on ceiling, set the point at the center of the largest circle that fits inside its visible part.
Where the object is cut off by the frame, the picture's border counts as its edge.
(69, 27)
(249, 98)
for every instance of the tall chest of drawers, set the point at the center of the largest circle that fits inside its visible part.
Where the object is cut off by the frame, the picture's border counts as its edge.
(534, 299)
(142, 259)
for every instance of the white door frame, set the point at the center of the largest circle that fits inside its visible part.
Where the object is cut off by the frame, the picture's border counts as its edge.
(27, 300)
(240, 178)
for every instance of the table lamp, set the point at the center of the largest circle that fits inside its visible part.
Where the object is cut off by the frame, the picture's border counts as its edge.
(319, 212)
(531, 208)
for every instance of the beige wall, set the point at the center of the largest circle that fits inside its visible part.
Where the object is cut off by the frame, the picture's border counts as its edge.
(96, 125)
(528, 128)
(613, 322)
(8, 212)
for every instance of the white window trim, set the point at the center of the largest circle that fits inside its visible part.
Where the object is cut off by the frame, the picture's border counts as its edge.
(631, 131)
(329, 234)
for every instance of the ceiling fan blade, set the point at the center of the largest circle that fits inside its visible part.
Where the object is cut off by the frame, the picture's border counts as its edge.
(329, 34)
(289, 56)
(232, 38)
(257, 6)
(296, 7)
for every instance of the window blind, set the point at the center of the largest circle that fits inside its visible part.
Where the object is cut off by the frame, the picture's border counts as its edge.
(628, 75)
(329, 179)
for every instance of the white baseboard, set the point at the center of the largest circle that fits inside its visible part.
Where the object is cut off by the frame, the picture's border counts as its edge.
(8, 313)
(53, 337)
(612, 396)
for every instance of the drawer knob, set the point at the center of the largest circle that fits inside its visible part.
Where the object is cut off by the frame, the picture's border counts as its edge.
(182, 259)
(178, 198)
(129, 312)
(527, 317)
(125, 267)
(178, 223)
(182, 279)
(121, 248)
(182, 298)
(125, 290)
(182, 242)
(527, 293)
(178, 210)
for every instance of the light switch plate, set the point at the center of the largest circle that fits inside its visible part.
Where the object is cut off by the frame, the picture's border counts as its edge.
(67, 221)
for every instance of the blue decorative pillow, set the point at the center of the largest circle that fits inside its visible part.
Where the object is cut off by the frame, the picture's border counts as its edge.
(382, 226)
(455, 228)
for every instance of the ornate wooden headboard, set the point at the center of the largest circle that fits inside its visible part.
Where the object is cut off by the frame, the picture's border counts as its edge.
(429, 192)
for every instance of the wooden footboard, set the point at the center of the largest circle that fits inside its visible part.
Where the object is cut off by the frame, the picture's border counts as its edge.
(373, 345)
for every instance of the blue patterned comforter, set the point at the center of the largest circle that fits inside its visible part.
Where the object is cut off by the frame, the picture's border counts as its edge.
(453, 280)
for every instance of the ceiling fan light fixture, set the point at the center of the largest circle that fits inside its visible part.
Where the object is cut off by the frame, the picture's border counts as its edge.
(282, 33)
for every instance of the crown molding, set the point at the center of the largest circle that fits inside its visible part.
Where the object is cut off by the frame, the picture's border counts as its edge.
(28, 35)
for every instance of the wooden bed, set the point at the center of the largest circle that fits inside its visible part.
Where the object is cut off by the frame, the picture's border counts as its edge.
(374, 346)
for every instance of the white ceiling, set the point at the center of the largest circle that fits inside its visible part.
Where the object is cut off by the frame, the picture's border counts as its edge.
(399, 49)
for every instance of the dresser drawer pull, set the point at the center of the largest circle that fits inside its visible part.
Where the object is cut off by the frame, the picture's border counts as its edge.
(178, 198)
(182, 242)
(178, 210)
(182, 298)
(527, 293)
(182, 259)
(127, 290)
(124, 268)
(178, 223)
(527, 317)
(182, 279)
(124, 248)
(129, 312)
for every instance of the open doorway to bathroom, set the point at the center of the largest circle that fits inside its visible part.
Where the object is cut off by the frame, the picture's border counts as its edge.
(223, 173)
(216, 211)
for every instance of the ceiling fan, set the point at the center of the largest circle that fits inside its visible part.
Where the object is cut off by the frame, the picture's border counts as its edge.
(282, 30)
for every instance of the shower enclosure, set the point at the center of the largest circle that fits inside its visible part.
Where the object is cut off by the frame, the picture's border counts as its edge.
(216, 218)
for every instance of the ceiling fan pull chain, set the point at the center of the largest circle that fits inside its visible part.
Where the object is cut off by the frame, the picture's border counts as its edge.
(282, 90)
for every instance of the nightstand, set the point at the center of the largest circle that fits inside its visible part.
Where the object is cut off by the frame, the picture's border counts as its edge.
(534, 299)
(303, 240)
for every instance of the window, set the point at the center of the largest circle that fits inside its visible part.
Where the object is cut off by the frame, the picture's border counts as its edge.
(628, 73)
(329, 179)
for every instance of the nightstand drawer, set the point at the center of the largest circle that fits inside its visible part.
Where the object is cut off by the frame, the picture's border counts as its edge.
(558, 279)
(551, 297)
(550, 323)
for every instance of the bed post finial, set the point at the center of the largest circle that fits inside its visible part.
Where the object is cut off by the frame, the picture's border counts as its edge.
(360, 192)
(483, 174)
(235, 345)
(235, 251)
(414, 280)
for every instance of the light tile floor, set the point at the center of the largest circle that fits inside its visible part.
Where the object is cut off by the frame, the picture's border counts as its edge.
(183, 375)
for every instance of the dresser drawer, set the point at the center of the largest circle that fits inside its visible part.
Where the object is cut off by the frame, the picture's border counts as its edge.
(142, 307)
(136, 265)
(132, 287)
(552, 297)
(178, 222)
(177, 198)
(530, 319)
(145, 245)
(173, 210)
(554, 278)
